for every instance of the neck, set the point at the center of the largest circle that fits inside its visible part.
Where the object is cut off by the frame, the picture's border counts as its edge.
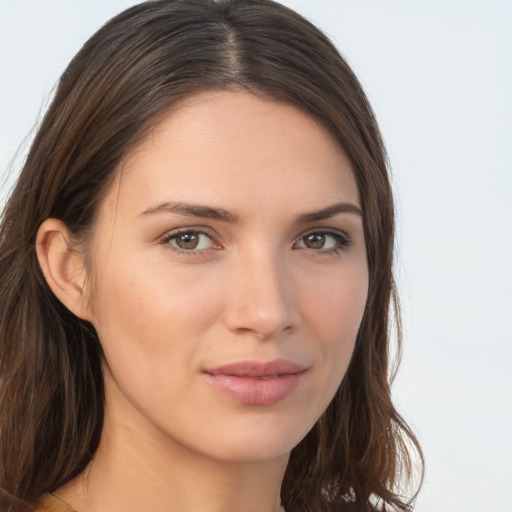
(138, 468)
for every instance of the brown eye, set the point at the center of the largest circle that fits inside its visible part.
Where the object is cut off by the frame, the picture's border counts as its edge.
(314, 240)
(189, 241)
(324, 241)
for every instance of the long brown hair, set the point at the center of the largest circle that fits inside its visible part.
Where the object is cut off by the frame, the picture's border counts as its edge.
(131, 71)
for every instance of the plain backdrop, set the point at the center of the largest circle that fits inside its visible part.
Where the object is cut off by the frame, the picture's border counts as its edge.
(439, 75)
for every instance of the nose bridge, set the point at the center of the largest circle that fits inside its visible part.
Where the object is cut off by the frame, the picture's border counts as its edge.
(262, 299)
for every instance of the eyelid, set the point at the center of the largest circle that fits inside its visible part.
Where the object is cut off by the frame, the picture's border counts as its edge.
(342, 237)
(174, 233)
(326, 231)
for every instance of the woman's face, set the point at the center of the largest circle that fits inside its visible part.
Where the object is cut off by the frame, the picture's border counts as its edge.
(230, 278)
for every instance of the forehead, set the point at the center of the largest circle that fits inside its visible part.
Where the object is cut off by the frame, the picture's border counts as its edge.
(235, 150)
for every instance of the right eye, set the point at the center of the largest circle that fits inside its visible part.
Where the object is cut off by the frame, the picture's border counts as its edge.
(190, 241)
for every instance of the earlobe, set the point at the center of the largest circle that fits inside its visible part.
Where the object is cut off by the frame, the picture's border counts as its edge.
(62, 267)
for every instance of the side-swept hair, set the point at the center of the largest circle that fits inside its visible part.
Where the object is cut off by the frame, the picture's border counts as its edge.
(125, 77)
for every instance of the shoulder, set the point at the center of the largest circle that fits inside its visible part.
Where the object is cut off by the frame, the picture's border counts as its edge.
(50, 503)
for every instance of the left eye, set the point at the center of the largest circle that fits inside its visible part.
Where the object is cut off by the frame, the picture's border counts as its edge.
(322, 241)
(190, 241)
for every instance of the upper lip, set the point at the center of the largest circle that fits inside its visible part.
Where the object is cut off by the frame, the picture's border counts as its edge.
(257, 368)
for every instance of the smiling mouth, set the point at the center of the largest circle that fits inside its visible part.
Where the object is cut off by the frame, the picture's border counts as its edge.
(256, 383)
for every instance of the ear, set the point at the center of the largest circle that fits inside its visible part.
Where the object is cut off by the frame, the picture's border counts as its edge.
(63, 268)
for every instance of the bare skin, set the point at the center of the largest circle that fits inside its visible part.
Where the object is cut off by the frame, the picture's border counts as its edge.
(232, 235)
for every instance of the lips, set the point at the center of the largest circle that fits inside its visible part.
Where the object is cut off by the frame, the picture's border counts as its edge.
(256, 383)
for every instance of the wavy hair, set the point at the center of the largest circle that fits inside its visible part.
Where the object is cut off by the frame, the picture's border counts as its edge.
(358, 455)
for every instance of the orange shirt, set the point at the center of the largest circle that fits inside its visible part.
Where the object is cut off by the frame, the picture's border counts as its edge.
(50, 503)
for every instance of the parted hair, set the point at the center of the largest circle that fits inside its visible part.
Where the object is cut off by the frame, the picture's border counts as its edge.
(360, 455)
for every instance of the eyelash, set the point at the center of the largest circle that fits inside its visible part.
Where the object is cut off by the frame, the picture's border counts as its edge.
(341, 239)
(166, 240)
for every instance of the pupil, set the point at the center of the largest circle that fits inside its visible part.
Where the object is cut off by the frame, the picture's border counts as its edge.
(315, 241)
(187, 241)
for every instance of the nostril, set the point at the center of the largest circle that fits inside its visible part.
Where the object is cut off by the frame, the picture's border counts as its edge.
(261, 301)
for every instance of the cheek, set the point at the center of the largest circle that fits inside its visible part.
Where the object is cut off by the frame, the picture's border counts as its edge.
(152, 323)
(336, 304)
(152, 312)
(334, 311)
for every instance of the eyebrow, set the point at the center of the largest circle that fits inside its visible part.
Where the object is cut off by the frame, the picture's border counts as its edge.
(194, 210)
(208, 212)
(330, 211)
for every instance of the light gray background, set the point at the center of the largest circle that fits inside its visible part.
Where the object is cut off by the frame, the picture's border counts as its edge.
(439, 75)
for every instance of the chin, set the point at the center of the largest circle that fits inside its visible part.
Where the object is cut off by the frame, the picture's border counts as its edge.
(256, 440)
(253, 449)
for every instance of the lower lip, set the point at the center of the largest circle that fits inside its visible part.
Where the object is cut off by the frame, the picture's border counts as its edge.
(253, 391)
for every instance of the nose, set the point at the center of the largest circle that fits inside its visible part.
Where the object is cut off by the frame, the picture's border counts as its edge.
(261, 299)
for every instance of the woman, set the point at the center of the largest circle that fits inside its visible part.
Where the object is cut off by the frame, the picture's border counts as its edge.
(196, 268)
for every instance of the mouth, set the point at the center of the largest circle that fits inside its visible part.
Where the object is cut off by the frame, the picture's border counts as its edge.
(256, 383)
